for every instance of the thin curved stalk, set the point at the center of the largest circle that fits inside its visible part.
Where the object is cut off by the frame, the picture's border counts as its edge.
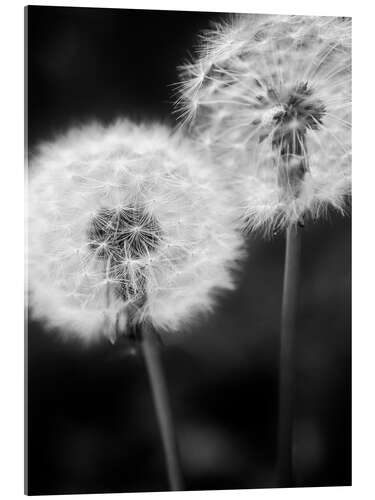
(287, 367)
(160, 396)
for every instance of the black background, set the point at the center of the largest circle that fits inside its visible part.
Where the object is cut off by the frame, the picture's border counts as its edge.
(91, 424)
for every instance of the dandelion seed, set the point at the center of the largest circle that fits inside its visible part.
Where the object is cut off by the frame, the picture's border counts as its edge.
(270, 96)
(126, 221)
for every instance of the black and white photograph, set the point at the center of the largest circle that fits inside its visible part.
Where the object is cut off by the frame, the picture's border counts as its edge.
(188, 250)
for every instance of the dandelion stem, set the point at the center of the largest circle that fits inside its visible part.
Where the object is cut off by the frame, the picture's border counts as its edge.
(287, 367)
(160, 396)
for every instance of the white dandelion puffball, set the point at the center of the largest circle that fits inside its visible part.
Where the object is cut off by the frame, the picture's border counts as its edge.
(270, 97)
(125, 222)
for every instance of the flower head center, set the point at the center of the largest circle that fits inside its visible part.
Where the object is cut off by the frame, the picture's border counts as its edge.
(299, 112)
(122, 238)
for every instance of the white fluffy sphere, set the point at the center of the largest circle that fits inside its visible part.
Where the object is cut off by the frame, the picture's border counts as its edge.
(270, 97)
(126, 222)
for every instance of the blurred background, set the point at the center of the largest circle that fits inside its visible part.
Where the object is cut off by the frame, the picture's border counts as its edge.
(91, 424)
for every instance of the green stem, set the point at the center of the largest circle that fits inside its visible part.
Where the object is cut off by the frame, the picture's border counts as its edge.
(159, 391)
(287, 368)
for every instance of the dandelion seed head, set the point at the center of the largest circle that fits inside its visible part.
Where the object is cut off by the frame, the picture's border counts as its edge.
(272, 104)
(126, 223)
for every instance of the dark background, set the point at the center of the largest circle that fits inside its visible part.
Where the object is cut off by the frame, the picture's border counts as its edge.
(91, 423)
